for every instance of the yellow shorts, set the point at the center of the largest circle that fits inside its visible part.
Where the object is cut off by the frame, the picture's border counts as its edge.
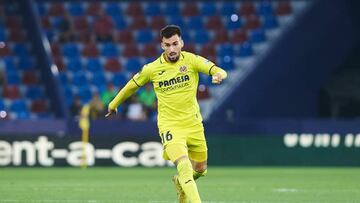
(191, 142)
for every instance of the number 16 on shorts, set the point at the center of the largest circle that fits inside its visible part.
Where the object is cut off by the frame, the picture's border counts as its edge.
(166, 137)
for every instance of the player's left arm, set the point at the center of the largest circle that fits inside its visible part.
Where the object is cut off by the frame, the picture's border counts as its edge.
(206, 66)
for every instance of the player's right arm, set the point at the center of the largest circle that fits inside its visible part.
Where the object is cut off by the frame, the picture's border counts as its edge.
(129, 89)
(139, 79)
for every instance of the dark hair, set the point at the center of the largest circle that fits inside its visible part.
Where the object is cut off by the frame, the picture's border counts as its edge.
(169, 31)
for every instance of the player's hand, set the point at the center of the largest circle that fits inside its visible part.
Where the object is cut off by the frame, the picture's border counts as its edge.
(110, 113)
(217, 78)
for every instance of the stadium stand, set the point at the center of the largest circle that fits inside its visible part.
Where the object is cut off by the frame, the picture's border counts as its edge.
(23, 92)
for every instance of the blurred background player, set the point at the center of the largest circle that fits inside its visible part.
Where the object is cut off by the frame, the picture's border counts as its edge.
(175, 77)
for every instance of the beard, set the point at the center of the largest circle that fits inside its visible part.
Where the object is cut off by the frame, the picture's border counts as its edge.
(173, 57)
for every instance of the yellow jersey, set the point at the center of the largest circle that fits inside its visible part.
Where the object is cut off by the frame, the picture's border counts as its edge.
(175, 85)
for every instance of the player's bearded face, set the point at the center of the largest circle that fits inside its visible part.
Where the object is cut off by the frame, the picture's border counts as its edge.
(172, 47)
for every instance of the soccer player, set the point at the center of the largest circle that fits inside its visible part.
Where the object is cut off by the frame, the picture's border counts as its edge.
(175, 77)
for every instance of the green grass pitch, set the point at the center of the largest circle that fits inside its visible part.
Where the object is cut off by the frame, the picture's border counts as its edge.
(153, 185)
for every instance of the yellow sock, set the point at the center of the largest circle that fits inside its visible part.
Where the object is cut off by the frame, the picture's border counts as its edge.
(187, 181)
(197, 175)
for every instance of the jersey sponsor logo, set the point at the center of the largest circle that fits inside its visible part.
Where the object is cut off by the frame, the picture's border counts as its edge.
(161, 72)
(183, 69)
(174, 81)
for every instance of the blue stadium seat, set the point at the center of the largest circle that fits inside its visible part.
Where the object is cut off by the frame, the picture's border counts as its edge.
(26, 63)
(85, 94)
(172, 9)
(13, 78)
(228, 8)
(120, 22)
(2, 35)
(153, 9)
(257, 35)
(34, 92)
(23, 115)
(177, 20)
(144, 36)
(76, 9)
(133, 65)
(113, 9)
(41, 8)
(94, 65)
(68, 94)
(270, 22)
(109, 50)
(9, 64)
(201, 37)
(226, 63)
(265, 8)
(225, 50)
(21, 49)
(245, 50)
(79, 79)
(2, 105)
(195, 23)
(119, 79)
(18, 105)
(233, 25)
(74, 64)
(63, 78)
(99, 79)
(70, 50)
(208, 9)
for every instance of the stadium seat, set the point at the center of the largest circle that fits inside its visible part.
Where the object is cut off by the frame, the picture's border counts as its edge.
(153, 9)
(5, 51)
(13, 78)
(9, 63)
(34, 92)
(57, 9)
(85, 94)
(226, 63)
(252, 22)
(26, 63)
(270, 22)
(134, 9)
(233, 24)
(214, 23)
(21, 49)
(138, 22)
(99, 80)
(144, 36)
(190, 9)
(220, 36)
(208, 51)
(79, 79)
(109, 50)
(245, 49)
(59, 63)
(2, 105)
(30, 78)
(17, 36)
(176, 20)
(39, 106)
(265, 8)
(203, 92)
(113, 9)
(131, 50)
(225, 50)
(228, 8)
(74, 64)
(120, 22)
(90, 50)
(124, 36)
(94, 8)
(195, 23)
(94, 65)
(18, 105)
(119, 79)
(171, 9)
(150, 50)
(133, 65)
(247, 8)
(239, 36)
(80, 23)
(63, 78)
(257, 35)
(55, 49)
(41, 9)
(283, 8)
(201, 37)
(208, 9)
(190, 47)
(113, 65)
(76, 9)
(70, 50)
(157, 22)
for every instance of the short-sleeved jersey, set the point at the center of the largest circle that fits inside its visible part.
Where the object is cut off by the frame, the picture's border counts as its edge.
(175, 85)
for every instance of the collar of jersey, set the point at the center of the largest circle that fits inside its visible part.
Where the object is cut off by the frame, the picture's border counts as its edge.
(163, 60)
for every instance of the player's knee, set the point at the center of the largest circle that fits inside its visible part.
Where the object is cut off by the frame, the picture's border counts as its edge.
(200, 167)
